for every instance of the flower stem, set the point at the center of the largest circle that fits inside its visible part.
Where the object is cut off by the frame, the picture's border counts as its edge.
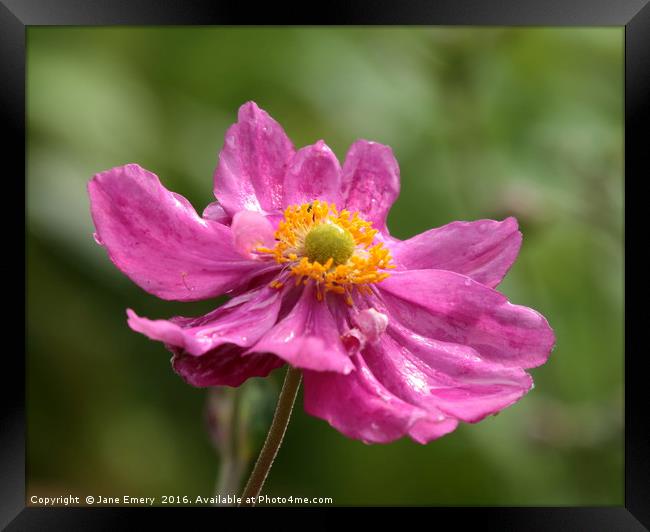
(274, 438)
(232, 464)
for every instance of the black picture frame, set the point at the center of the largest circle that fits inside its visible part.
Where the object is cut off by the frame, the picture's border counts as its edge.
(633, 15)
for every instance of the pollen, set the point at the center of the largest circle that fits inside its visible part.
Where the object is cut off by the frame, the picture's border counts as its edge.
(333, 249)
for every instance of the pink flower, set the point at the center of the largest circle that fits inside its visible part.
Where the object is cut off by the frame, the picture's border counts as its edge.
(394, 337)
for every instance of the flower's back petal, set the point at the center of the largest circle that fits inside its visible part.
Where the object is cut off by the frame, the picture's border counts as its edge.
(307, 337)
(223, 366)
(215, 212)
(370, 181)
(242, 321)
(443, 377)
(314, 173)
(252, 162)
(453, 308)
(483, 250)
(156, 238)
(360, 407)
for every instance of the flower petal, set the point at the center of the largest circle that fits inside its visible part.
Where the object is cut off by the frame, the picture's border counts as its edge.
(252, 162)
(156, 238)
(307, 337)
(223, 366)
(445, 377)
(426, 430)
(370, 181)
(251, 230)
(453, 308)
(483, 250)
(314, 173)
(241, 321)
(214, 211)
(360, 407)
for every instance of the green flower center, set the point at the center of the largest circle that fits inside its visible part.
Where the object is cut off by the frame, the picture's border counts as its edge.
(329, 241)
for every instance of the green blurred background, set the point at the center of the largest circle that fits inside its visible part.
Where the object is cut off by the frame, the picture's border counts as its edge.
(485, 123)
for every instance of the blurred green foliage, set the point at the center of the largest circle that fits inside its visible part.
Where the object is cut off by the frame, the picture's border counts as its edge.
(485, 123)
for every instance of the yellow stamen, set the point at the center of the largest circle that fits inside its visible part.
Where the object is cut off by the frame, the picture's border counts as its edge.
(354, 266)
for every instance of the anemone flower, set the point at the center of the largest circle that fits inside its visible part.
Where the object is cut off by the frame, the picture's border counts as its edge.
(393, 337)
